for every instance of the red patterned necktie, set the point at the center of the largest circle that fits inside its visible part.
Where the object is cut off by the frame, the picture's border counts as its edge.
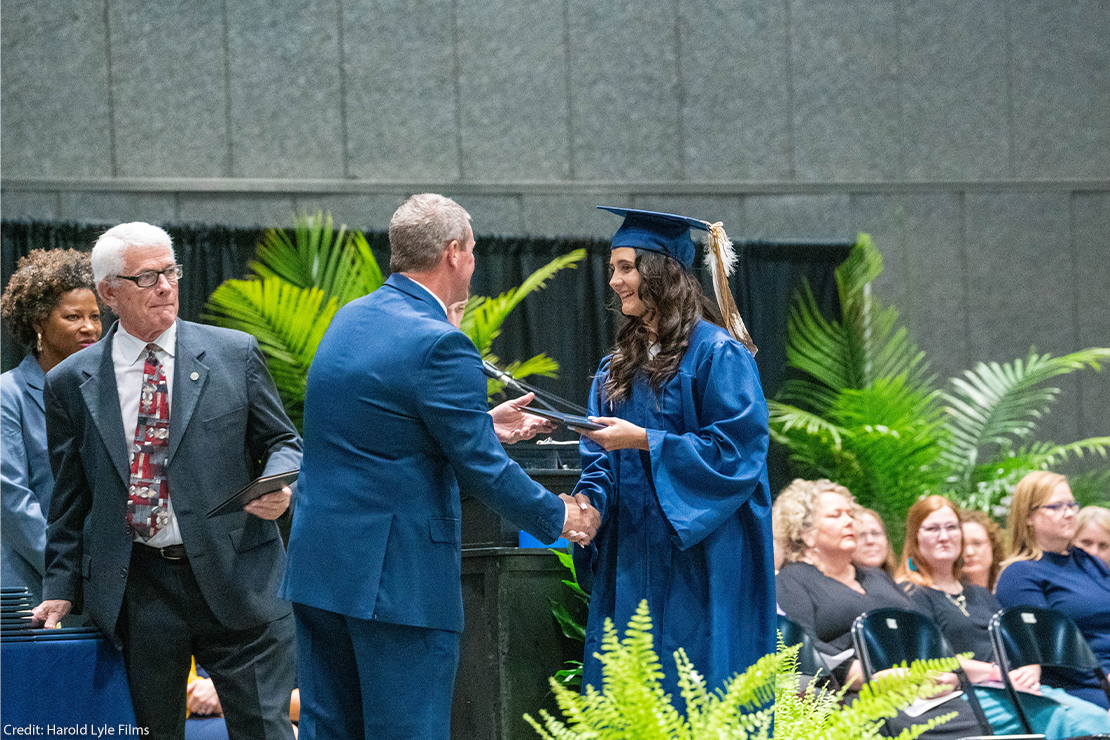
(149, 492)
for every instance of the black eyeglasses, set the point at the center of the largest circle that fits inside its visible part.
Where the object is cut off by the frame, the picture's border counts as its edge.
(149, 278)
(1065, 505)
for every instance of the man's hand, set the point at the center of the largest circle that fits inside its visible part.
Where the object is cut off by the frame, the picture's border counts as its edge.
(513, 424)
(618, 434)
(49, 612)
(270, 506)
(582, 519)
(201, 698)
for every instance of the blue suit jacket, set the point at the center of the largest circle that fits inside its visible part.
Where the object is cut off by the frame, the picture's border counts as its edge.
(395, 425)
(227, 426)
(25, 478)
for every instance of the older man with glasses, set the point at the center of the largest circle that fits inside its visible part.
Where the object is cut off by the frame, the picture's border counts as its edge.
(149, 429)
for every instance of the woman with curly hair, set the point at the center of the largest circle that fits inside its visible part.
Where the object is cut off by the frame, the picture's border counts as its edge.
(678, 471)
(51, 307)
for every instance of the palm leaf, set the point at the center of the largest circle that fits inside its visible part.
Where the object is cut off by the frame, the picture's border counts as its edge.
(288, 321)
(484, 316)
(340, 263)
(997, 405)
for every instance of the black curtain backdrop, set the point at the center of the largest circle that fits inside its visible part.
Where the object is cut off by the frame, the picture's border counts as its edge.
(573, 320)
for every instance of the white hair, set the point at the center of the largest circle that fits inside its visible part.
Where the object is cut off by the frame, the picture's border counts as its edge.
(109, 253)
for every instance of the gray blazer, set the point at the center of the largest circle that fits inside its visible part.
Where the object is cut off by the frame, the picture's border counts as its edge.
(227, 426)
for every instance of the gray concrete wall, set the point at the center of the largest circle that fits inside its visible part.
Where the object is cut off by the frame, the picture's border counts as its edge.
(970, 137)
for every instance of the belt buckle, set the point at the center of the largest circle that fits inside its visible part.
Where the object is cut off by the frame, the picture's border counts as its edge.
(167, 556)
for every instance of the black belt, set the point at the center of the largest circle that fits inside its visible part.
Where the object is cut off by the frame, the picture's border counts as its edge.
(169, 552)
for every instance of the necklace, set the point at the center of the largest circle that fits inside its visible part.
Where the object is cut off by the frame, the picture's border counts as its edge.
(959, 601)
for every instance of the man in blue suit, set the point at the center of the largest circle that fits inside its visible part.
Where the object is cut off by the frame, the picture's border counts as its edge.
(396, 425)
(148, 430)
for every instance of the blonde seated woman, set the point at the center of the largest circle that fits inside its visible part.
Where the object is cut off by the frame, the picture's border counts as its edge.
(1092, 532)
(1045, 570)
(821, 589)
(931, 570)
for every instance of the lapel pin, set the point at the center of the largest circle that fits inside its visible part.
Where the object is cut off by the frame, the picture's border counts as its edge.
(194, 376)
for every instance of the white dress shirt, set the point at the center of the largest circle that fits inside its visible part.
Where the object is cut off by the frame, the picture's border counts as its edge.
(129, 359)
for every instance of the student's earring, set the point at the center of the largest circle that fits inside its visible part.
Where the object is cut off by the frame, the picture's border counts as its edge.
(38, 349)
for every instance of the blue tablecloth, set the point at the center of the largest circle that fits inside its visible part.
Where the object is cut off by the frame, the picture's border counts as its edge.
(65, 683)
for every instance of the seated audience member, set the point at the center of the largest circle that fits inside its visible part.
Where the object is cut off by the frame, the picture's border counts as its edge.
(930, 570)
(205, 721)
(50, 307)
(820, 588)
(1092, 532)
(983, 549)
(1045, 570)
(873, 549)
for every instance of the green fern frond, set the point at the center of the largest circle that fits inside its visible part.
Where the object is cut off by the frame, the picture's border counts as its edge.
(633, 705)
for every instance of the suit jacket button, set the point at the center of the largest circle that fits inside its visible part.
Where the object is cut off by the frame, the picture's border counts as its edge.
(123, 572)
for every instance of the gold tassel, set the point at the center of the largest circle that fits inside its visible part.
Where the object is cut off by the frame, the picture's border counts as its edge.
(721, 264)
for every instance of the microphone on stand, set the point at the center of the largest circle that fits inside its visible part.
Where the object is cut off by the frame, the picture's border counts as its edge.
(521, 387)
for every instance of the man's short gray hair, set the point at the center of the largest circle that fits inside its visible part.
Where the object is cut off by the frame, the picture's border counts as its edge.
(420, 230)
(109, 253)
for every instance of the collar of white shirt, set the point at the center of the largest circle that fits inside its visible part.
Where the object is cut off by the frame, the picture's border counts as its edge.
(132, 349)
(433, 295)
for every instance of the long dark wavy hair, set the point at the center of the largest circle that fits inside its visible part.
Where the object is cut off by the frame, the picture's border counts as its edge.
(672, 295)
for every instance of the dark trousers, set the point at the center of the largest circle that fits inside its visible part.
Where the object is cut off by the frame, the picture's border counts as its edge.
(367, 680)
(165, 621)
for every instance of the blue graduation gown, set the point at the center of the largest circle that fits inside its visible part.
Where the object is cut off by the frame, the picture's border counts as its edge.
(686, 524)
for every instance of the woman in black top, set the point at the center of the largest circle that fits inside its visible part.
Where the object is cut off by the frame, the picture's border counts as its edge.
(931, 571)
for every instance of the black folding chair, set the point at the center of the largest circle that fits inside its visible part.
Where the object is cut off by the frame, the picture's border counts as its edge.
(811, 663)
(888, 637)
(1027, 635)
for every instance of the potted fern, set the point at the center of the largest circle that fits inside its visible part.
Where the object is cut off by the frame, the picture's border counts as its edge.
(632, 703)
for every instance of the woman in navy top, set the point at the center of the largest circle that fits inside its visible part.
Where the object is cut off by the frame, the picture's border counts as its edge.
(1044, 570)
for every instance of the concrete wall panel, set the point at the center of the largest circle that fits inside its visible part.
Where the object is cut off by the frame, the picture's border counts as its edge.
(513, 90)
(55, 104)
(625, 105)
(286, 91)
(401, 93)
(736, 90)
(170, 98)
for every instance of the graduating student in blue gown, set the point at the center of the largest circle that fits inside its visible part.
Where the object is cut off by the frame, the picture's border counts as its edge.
(680, 473)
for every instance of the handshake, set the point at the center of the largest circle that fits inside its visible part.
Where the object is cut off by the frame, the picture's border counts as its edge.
(582, 519)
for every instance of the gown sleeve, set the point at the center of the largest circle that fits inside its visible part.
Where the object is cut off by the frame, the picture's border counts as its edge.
(702, 477)
(596, 480)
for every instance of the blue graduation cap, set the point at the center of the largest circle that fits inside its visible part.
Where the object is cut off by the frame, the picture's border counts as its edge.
(665, 233)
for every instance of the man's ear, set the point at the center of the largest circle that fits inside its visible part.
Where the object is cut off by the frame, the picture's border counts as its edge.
(107, 293)
(452, 252)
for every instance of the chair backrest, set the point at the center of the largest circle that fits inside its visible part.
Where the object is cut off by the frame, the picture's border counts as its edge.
(890, 636)
(1023, 635)
(886, 637)
(810, 660)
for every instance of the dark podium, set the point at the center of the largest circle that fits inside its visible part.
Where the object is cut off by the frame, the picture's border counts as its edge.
(511, 643)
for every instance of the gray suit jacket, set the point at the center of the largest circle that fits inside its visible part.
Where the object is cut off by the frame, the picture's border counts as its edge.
(227, 426)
